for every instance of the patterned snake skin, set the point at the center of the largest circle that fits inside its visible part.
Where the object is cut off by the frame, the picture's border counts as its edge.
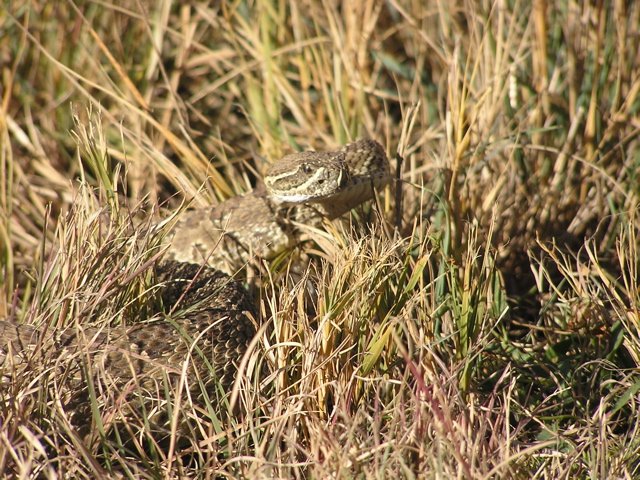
(205, 247)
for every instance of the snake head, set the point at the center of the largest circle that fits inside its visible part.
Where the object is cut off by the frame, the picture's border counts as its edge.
(340, 180)
(307, 177)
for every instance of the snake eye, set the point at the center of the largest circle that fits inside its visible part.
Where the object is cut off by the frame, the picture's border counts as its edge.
(307, 169)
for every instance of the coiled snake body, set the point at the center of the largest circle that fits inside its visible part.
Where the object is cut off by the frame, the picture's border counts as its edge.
(206, 247)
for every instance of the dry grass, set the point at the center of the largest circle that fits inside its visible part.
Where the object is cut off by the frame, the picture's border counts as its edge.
(496, 334)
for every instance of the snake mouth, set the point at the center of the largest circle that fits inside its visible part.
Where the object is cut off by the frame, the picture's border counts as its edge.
(294, 198)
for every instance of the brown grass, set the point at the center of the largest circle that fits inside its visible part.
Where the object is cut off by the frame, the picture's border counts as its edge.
(494, 334)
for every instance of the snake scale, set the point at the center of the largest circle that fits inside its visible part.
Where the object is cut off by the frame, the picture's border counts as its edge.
(204, 249)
